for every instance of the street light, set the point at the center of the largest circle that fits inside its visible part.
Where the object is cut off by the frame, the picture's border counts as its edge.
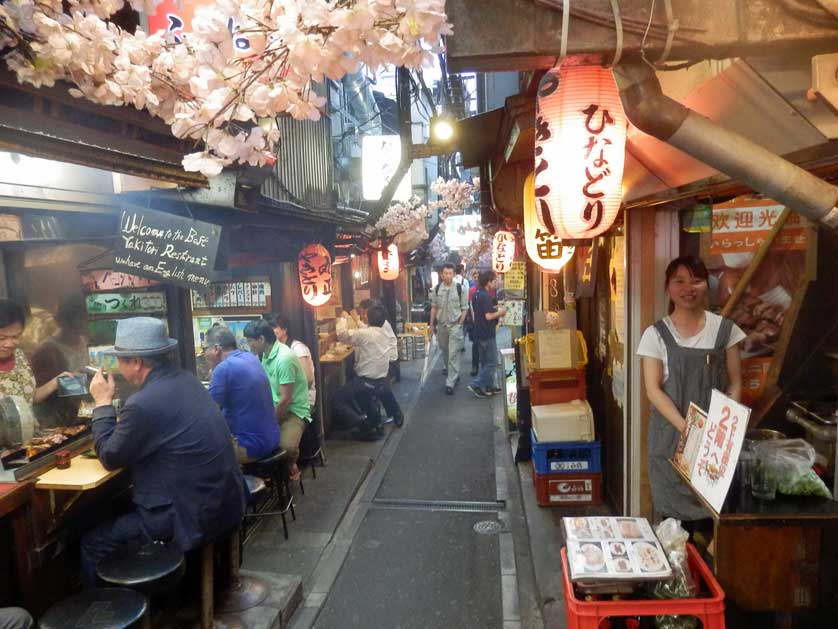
(442, 128)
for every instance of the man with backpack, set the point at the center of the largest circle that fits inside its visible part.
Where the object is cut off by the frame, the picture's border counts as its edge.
(449, 306)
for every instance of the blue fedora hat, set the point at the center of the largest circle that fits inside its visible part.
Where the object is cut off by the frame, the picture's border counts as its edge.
(141, 336)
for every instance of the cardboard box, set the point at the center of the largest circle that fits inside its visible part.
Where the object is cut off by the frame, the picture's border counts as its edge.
(569, 421)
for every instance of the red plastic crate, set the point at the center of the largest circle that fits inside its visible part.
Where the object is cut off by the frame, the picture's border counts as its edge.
(556, 386)
(553, 490)
(710, 611)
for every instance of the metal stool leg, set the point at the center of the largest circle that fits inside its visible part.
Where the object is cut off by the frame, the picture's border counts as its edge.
(243, 592)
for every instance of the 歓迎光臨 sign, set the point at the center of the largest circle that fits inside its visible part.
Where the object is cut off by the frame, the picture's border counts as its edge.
(165, 247)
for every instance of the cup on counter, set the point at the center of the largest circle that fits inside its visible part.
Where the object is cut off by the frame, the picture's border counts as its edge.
(765, 473)
(62, 459)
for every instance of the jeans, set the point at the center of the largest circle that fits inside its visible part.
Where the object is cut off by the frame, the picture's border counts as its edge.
(123, 534)
(488, 351)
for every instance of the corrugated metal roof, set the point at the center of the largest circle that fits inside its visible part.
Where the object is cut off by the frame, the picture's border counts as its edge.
(304, 169)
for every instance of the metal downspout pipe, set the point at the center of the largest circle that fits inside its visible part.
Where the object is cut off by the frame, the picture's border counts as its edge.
(654, 113)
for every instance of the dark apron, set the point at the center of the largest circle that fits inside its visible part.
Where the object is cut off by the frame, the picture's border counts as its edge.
(693, 374)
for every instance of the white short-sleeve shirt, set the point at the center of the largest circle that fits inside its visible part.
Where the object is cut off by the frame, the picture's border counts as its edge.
(652, 345)
(301, 350)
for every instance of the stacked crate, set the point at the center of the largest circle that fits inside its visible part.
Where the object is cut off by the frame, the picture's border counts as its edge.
(565, 472)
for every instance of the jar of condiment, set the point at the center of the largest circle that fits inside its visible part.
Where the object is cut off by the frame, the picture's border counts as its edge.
(62, 459)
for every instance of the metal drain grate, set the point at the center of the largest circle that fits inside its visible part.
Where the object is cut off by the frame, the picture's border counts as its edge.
(439, 505)
(488, 527)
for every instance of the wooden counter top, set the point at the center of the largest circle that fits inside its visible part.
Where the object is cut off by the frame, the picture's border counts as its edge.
(337, 357)
(83, 474)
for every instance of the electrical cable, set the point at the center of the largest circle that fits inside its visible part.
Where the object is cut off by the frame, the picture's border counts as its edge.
(618, 25)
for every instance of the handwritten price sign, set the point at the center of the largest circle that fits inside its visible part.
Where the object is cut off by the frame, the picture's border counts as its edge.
(719, 448)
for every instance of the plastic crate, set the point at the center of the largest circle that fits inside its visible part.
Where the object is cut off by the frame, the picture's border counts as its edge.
(566, 490)
(564, 457)
(554, 386)
(590, 614)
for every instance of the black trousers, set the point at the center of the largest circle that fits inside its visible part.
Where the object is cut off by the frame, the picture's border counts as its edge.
(356, 402)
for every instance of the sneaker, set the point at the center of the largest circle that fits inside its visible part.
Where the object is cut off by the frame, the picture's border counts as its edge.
(474, 372)
(449, 390)
(477, 391)
(445, 371)
(399, 420)
(493, 390)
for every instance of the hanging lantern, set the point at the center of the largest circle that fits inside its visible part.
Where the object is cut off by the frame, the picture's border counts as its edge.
(543, 247)
(580, 139)
(503, 251)
(314, 265)
(388, 262)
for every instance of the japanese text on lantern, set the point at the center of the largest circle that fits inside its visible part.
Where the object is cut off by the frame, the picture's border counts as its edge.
(543, 132)
(503, 251)
(315, 269)
(597, 171)
(547, 245)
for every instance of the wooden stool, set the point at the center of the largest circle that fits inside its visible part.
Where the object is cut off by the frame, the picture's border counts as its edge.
(102, 608)
(152, 569)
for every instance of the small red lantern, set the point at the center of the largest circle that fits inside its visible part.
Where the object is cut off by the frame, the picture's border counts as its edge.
(388, 262)
(580, 140)
(314, 265)
(503, 251)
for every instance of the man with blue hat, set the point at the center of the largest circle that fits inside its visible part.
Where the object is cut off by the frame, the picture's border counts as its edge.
(172, 438)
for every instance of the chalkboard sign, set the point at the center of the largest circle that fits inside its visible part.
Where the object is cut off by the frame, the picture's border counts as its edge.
(164, 247)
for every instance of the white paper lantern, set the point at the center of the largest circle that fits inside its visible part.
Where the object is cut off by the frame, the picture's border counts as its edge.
(580, 138)
(388, 262)
(543, 247)
(503, 251)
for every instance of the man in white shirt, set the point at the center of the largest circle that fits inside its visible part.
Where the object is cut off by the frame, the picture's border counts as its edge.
(375, 347)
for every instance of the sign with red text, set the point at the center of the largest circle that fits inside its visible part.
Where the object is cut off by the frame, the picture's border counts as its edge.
(719, 448)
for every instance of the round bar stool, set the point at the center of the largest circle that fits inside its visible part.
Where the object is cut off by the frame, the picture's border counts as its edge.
(274, 468)
(152, 569)
(99, 608)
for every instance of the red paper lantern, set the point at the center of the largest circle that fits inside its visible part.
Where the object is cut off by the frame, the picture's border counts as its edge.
(503, 251)
(388, 262)
(580, 139)
(314, 265)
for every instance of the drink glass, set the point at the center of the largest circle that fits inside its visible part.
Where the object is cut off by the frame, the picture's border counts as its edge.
(764, 477)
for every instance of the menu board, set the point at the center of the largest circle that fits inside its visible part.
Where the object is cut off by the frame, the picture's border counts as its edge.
(687, 451)
(608, 549)
(165, 247)
(514, 312)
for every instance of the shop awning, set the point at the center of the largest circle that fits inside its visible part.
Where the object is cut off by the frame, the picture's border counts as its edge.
(478, 136)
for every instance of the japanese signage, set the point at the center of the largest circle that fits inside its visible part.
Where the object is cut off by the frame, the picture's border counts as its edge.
(586, 268)
(380, 157)
(718, 448)
(314, 265)
(125, 303)
(105, 279)
(739, 228)
(514, 312)
(580, 135)
(516, 277)
(543, 248)
(462, 230)
(503, 251)
(175, 17)
(164, 247)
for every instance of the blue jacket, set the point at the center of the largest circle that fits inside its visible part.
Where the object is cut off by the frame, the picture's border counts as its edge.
(187, 486)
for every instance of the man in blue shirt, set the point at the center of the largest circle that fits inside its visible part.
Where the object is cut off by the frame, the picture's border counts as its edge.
(240, 387)
(486, 315)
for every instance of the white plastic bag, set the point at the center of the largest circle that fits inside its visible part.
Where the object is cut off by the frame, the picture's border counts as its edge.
(793, 457)
(674, 538)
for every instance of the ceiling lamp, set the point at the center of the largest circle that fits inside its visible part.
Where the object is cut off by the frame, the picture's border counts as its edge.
(580, 138)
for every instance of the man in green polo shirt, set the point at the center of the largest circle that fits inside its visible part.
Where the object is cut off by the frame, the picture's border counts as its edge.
(289, 387)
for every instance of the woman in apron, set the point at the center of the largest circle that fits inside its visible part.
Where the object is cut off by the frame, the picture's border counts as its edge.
(685, 356)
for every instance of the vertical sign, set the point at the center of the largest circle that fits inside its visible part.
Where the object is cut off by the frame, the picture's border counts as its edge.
(719, 447)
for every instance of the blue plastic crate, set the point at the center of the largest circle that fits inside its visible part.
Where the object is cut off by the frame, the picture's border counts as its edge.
(566, 457)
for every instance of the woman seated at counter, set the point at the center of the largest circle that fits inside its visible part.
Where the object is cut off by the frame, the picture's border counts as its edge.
(16, 376)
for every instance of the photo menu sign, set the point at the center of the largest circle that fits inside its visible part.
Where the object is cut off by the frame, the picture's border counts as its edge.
(165, 247)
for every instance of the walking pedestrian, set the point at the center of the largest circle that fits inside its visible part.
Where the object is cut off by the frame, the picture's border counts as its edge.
(449, 306)
(486, 315)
